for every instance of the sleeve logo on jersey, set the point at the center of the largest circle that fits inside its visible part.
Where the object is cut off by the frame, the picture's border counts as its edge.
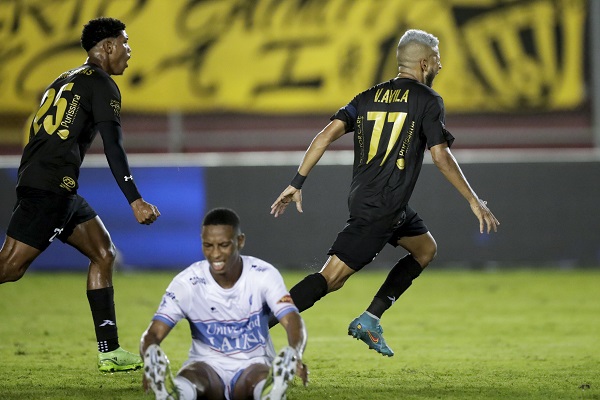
(116, 105)
(286, 299)
(67, 183)
(167, 295)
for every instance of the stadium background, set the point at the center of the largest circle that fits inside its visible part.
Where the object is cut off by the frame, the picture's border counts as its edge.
(222, 97)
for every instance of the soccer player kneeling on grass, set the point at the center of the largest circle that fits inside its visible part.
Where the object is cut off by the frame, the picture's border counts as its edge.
(226, 299)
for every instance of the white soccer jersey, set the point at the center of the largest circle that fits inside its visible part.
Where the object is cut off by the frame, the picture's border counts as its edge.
(231, 323)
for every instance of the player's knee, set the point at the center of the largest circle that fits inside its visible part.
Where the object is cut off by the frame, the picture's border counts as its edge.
(10, 272)
(426, 254)
(107, 256)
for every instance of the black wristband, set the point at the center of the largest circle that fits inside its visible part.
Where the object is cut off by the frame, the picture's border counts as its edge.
(298, 181)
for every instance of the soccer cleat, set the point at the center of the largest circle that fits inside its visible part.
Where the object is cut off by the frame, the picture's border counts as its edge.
(158, 374)
(281, 374)
(119, 360)
(369, 331)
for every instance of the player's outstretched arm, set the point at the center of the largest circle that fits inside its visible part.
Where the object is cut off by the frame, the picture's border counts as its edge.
(332, 132)
(112, 137)
(447, 164)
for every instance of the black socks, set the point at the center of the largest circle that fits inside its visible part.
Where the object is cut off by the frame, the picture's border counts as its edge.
(398, 280)
(105, 322)
(308, 291)
(305, 293)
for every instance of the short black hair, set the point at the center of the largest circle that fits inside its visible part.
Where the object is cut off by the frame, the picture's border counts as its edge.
(99, 29)
(222, 216)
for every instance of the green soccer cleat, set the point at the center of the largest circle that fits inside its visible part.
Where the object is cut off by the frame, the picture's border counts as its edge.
(281, 374)
(158, 374)
(119, 360)
(369, 331)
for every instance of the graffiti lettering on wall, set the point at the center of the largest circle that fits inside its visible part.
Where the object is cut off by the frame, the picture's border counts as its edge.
(302, 56)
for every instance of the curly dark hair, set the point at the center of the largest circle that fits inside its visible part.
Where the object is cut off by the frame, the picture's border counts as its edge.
(222, 216)
(99, 29)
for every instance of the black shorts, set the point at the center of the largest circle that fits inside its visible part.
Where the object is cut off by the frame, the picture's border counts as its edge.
(360, 241)
(40, 216)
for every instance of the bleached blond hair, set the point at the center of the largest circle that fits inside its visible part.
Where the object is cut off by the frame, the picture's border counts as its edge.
(418, 36)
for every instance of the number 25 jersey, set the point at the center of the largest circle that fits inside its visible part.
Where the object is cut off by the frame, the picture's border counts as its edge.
(63, 128)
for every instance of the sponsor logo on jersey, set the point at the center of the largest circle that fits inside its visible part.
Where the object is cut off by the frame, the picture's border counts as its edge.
(167, 295)
(68, 183)
(232, 336)
(69, 116)
(116, 106)
(259, 269)
(170, 295)
(400, 162)
(286, 299)
(194, 280)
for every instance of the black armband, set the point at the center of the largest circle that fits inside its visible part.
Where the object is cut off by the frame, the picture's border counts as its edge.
(298, 181)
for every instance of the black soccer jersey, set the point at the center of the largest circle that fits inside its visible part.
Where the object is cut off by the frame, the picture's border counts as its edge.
(63, 128)
(392, 123)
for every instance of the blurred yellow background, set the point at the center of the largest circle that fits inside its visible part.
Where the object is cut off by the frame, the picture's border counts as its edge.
(293, 56)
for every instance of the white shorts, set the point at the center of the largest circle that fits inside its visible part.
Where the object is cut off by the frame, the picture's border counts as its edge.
(229, 369)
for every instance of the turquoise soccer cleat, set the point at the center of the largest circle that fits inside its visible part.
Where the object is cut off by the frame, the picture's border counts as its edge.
(370, 331)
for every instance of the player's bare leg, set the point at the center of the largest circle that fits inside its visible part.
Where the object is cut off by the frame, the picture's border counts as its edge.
(336, 273)
(15, 258)
(203, 378)
(246, 385)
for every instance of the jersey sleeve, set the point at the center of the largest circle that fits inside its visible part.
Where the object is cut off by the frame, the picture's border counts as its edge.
(117, 159)
(348, 115)
(106, 100)
(276, 294)
(170, 310)
(433, 124)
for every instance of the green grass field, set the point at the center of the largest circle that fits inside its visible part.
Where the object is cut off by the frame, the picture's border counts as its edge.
(518, 334)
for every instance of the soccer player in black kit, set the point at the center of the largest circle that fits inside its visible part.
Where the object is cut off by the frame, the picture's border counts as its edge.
(75, 107)
(393, 122)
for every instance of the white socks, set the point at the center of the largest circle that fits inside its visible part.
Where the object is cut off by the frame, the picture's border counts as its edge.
(187, 389)
(258, 389)
(372, 316)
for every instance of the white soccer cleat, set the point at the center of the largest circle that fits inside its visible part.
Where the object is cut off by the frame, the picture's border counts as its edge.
(158, 374)
(281, 374)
